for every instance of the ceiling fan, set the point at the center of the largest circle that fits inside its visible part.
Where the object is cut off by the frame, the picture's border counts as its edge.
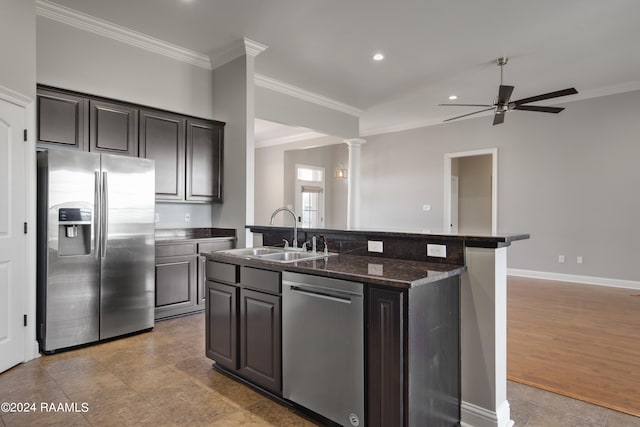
(503, 103)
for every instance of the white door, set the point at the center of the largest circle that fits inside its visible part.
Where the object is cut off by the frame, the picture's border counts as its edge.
(12, 238)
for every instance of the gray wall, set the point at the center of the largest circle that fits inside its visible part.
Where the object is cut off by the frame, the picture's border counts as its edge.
(75, 59)
(569, 180)
(233, 104)
(71, 58)
(269, 183)
(172, 215)
(280, 108)
(18, 46)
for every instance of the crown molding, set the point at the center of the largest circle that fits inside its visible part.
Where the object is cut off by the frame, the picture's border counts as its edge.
(305, 95)
(80, 20)
(399, 127)
(236, 50)
(302, 136)
(253, 48)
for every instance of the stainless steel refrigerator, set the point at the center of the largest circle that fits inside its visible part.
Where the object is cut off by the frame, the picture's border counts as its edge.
(95, 247)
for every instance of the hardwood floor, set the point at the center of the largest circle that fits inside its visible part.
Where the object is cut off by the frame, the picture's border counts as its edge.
(581, 341)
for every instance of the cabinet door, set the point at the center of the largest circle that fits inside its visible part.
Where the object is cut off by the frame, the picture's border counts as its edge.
(162, 138)
(385, 370)
(175, 285)
(202, 264)
(114, 128)
(260, 339)
(62, 120)
(204, 161)
(221, 325)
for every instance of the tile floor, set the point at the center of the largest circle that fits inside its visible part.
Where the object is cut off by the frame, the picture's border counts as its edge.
(163, 378)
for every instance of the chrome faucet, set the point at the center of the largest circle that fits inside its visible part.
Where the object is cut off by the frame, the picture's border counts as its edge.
(294, 243)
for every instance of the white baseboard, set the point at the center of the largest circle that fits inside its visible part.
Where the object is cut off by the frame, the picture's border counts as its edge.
(475, 416)
(587, 280)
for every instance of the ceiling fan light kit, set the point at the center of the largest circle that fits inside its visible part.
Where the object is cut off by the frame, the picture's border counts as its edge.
(503, 104)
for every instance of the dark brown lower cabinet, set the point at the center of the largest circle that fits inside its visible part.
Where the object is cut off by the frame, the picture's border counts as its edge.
(222, 324)
(385, 394)
(260, 338)
(414, 355)
(176, 277)
(243, 321)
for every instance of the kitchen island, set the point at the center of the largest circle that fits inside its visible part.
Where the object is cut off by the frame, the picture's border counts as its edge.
(411, 319)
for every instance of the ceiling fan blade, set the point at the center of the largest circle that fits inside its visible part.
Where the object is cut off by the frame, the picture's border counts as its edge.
(539, 109)
(465, 105)
(556, 94)
(504, 94)
(498, 118)
(470, 114)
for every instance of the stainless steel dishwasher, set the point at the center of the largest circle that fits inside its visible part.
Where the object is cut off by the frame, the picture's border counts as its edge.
(323, 346)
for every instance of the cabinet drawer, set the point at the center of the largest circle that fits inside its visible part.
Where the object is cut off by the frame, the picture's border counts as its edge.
(215, 246)
(176, 249)
(221, 272)
(263, 280)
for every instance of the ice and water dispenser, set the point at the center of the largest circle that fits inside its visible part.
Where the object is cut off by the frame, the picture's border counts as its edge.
(74, 231)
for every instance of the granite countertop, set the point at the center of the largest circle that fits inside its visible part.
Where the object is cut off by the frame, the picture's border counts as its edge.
(373, 270)
(496, 240)
(185, 234)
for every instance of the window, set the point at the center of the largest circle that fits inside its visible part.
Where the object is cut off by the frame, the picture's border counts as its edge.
(310, 195)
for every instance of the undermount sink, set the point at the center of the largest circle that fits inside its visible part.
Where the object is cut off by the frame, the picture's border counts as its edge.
(252, 251)
(274, 254)
(291, 256)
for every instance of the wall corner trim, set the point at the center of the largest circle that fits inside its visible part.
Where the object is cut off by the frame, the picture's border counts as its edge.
(98, 26)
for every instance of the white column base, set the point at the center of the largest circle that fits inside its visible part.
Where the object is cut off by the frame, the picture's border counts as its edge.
(475, 416)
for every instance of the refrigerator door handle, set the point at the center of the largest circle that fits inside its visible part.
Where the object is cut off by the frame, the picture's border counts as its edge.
(97, 218)
(104, 213)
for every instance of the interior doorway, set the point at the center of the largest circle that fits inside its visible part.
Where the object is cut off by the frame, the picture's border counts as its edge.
(13, 237)
(471, 192)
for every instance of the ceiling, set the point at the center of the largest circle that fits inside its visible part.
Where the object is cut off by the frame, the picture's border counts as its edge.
(432, 48)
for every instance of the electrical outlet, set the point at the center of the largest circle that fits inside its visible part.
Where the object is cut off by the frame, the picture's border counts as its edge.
(426, 208)
(375, 269)
(439, 251)
(156, 217)
(374, 246)
(579, 260)
(187, 217)
(560, 259)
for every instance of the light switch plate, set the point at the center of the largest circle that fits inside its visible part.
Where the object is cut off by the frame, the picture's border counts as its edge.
(374, 246)
(187, 217)
(439, 251)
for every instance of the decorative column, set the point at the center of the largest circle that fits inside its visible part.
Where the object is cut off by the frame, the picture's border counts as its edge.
(353, 182)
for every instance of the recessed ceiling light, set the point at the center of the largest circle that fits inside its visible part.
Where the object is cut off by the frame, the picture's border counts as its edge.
(453, 97)
(378, 57)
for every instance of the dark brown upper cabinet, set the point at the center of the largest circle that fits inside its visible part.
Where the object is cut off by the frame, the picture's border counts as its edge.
(204, 161)
(114, 128)
(162, 138)
(62, 120)
(188, 152)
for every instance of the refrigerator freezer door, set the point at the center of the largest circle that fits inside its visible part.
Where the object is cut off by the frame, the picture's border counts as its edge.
(128, 253)
(70, 292)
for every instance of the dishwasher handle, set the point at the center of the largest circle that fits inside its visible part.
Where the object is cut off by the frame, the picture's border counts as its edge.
(346, 299)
